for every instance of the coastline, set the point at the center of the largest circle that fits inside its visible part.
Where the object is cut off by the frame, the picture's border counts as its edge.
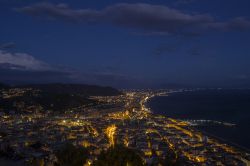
(235, 145)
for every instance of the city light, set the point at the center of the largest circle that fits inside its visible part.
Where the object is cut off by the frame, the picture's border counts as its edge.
(110, 132)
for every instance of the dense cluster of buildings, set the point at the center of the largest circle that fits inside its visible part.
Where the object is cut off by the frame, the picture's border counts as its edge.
(126, 121)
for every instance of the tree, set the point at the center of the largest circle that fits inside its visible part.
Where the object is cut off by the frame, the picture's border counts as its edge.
(37, 162)
(173, 159)
(170, 158)
(69, 155)
(119, 156)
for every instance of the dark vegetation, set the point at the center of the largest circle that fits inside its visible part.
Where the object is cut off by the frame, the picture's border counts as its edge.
(119, 156)
(45, 101)
(55, 97)
(79, 89)
(3, 86)
(70, 155)
(62, 101)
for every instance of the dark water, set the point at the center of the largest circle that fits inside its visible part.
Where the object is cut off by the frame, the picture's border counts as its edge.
(231, 106)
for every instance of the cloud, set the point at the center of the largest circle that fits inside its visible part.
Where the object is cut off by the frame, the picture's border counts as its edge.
(23, 68)
(157, 19)
(60, 11)
(235, 24)
(23, 60)
(7, 45)
(168, 48)
(16, 76)
(183, 2)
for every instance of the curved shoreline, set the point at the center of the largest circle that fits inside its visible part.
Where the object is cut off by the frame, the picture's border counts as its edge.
(211, 135)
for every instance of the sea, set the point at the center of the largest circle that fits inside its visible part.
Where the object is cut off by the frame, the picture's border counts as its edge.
(220, 113)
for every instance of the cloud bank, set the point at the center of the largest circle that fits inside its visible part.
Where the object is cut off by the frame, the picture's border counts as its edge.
(23, 60)
(22, 68)
(8, 45)
(158, 19)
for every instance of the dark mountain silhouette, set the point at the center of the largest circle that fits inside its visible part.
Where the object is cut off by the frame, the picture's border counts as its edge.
(79, 89)
(57, 97)
(2, 86)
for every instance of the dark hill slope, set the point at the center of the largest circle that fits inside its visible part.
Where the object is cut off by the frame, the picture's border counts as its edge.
(2, 86)
(79, 89)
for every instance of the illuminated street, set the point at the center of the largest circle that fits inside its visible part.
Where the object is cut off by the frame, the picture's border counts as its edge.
(126, 121)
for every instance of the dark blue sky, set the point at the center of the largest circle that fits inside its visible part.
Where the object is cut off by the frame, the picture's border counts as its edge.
(158, 43)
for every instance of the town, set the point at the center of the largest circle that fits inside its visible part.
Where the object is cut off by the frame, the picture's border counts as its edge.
(122, 119)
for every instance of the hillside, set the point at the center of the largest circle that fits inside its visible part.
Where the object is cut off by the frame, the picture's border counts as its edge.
(79, 89)
(3, 86)
(57, 97)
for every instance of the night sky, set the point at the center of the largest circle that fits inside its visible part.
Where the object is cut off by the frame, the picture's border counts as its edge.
(126, 44)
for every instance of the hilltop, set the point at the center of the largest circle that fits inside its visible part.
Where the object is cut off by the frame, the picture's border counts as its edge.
(79, 89)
